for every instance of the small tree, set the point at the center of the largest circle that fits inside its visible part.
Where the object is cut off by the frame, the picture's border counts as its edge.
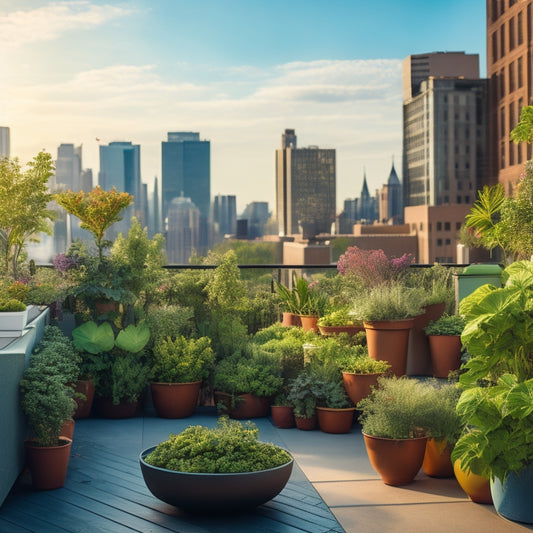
(98, 210)
(24, 207)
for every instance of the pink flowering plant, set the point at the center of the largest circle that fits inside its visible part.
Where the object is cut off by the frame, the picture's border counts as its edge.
(373, 267)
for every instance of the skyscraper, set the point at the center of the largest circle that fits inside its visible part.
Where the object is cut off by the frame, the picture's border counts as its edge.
(305, 188)
(390, 200)
(182, 231)
(186, 170)
(445, 143)
(68, 167)
(225, 214)
(5, 143)
(510, 70)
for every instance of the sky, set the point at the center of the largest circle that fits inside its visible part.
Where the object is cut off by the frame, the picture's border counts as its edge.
(239, 72)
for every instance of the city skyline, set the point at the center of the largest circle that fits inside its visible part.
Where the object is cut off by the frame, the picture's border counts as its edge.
(239, 72)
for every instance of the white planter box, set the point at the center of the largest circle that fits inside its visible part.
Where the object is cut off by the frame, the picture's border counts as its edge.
(12, 323)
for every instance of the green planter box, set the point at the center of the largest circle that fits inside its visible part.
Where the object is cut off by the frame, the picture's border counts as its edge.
(474, 276)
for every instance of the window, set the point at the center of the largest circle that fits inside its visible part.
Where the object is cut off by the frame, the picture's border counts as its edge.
(511, 33)
(459, 185)
(494, 47)
(458, 199)
(502, 40)
(511, 115)
(467, 201)
(520, 73)
(511, 77)
(421, 227)
(439, 242)
(447, 226)
(447, 241)
(519, 24)
(502, 122)
(457, 226)
(439, 226)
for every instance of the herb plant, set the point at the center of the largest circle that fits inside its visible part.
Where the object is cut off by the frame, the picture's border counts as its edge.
(446, 325)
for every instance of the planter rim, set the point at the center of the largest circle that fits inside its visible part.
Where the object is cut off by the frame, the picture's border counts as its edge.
(401, 323)
(66, 442)
(364, 373)
(147, 451)
(335, 408)
(166, 383)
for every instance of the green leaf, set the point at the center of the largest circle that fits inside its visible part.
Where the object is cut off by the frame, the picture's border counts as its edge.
(134, 338)
(92, 338)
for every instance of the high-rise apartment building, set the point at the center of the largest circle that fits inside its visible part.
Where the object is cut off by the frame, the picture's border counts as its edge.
(120, 167)
(5, 142)
(68, 167)
(182, 230)
(510, 70)
(225, 214)
(305, 188)
(445, 143)
(186, 170)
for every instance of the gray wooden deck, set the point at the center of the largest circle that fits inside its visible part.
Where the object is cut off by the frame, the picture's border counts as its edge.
(105, 492)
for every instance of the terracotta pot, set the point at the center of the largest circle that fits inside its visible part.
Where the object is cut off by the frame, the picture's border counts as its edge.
(388, 340)
(67, 429)
(359, 386)
(85, 387)
(290, 319)
(396, 461)
(105, 408)
(282, 416)
(437, 461)
(175, 400)
(246, 405)
(418, 358)
(337, 330)
(305, 424)
(476, 487)
(104, 307)
(335, 420)
(309, 323)
(48, 465)
(445, 354)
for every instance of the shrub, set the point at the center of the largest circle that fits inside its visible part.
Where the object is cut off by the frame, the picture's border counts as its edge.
(446, 325)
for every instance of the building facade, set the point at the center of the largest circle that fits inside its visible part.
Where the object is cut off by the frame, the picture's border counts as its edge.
(225, 214)
(510, 71)
(68, 168)
(5, 142)
(182, 230)
(305, 188)
(186, 170)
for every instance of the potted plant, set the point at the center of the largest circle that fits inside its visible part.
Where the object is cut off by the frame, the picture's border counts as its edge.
(360, 372)
(13, 318)
(303, 394)
(388, 312)
(496, 405)
(393, 418)
(47, 402)
(289, 304)
(444, 336)
(178, 368)
(221, 469)
(339, 321)
(118, 364)
(282, 411)
(245, 381)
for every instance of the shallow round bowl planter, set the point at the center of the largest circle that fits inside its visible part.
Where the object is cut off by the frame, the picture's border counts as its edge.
(437, 461)
(214, 492)
(282, 416)
(397, 461)
(513, 499)
(388, 340)
(476, 487)
(48, 465)
(107, 409)
(359, 386)
(337, 330)
(335, 420)
(445, 354)
(175, 400)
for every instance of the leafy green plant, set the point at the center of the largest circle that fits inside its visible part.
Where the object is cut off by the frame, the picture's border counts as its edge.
(499, 327)
(230, 447)
(446, 325)
(182, 360)
(392, 301)
(398, 408)
(340, 317)
(169, 321)
(359, 362)
(303, 393)
(500, 428)
(12, 306)
(444, 424)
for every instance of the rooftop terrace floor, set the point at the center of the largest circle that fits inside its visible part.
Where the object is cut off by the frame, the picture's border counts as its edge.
(333, 488)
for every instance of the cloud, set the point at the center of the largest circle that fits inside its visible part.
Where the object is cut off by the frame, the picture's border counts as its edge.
(51, 21)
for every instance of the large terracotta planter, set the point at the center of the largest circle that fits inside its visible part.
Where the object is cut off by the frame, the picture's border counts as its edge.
(67, 430)
(335, 420)
(418, 358)
(304, 423)
(84, 406)
(203, 492)
(105, 408)
(48, 465)
(476, 487)
(388, 340)
(246, 405)
(513, 499)
(309, 323)
(290, 319)
(337, 330)
(445, 354)
(359, 386)
(282, 416)
(437, 461)
(175, 400)
(396, 461)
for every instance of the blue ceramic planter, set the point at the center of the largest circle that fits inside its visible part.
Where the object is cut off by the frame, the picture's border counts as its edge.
(514, 498)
